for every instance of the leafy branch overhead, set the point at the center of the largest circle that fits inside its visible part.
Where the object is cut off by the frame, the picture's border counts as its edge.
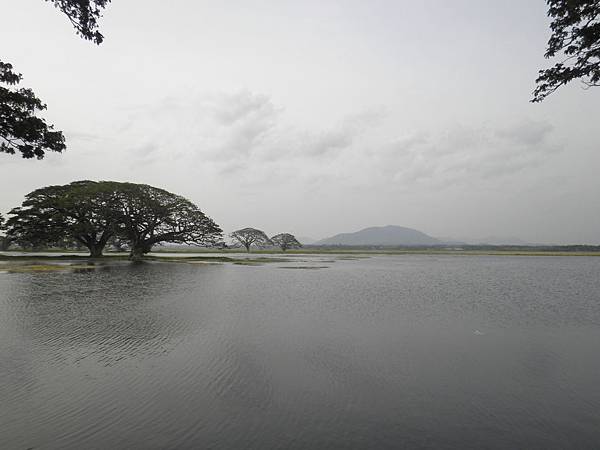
(21, 130)
(84, 16)
(575, 37)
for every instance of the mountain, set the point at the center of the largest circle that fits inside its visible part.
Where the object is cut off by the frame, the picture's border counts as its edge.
(388, 235)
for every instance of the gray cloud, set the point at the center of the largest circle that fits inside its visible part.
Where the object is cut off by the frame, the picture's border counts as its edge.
(244, 134)
(464, 155)
(233, 130)
(527, 133)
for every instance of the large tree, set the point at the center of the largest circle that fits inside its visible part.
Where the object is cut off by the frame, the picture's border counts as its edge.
(575, 39)
(21, 130)
(150, 216)
(249, 237)
(82, 212)
(286, 241)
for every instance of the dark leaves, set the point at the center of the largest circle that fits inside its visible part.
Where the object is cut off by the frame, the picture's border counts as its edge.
(94, 213)
(84, 16)
(575, 36)
(286, 241)
(20, 129)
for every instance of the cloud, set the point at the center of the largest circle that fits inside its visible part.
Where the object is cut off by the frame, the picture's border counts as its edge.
(247, 136)
(228, 109)
(526, 133)
(233, 132)
(462, 155)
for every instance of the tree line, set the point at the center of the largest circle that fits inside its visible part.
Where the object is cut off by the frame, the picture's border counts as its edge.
(248, 237)
(95, 214)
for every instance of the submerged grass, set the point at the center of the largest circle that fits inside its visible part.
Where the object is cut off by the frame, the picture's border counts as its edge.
(53, 263)
(28, 268)
(15, 263)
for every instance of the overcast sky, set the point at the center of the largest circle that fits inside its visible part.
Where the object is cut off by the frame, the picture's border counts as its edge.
(317, 117)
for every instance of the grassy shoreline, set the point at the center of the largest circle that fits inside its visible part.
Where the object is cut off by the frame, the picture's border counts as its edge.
(193, 254)
(65, 261)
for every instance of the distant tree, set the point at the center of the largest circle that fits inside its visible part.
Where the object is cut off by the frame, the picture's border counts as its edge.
(575, 36)
(150, 216)
(249, 237)
(286, 241)
(82, 211)
(20, 129)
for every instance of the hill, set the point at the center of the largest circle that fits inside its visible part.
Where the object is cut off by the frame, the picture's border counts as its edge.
(381, 236)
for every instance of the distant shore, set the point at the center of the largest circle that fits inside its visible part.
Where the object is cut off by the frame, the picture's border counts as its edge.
(163, 252)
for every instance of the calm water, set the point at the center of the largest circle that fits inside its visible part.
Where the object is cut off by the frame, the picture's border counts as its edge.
(384, 352)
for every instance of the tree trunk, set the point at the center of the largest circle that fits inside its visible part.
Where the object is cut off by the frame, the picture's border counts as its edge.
(247, 248)
(4, 243)
(95, 250)
(138, 251)
(136, 254)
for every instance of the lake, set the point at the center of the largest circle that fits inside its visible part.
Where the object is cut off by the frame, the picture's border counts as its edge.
(319, 352)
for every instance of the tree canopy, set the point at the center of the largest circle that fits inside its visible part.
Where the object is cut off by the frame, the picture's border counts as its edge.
(149, 216)
(575, 37)
(21, 130)
(286, 241)
(82, 211)
(84, 16)
(249, 237)
(94, 214)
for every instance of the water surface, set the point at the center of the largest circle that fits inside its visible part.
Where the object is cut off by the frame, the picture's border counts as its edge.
(381, 352)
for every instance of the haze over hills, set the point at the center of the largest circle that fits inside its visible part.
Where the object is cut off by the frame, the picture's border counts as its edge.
(503, 240)
(306, 240)
(388, 235)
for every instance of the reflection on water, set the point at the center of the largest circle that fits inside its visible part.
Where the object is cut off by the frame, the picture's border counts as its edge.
(385, 352)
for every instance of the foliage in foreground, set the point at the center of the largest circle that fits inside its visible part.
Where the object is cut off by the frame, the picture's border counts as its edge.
(95, 213)
(20, 129)
(576, 37)
(84, 16)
